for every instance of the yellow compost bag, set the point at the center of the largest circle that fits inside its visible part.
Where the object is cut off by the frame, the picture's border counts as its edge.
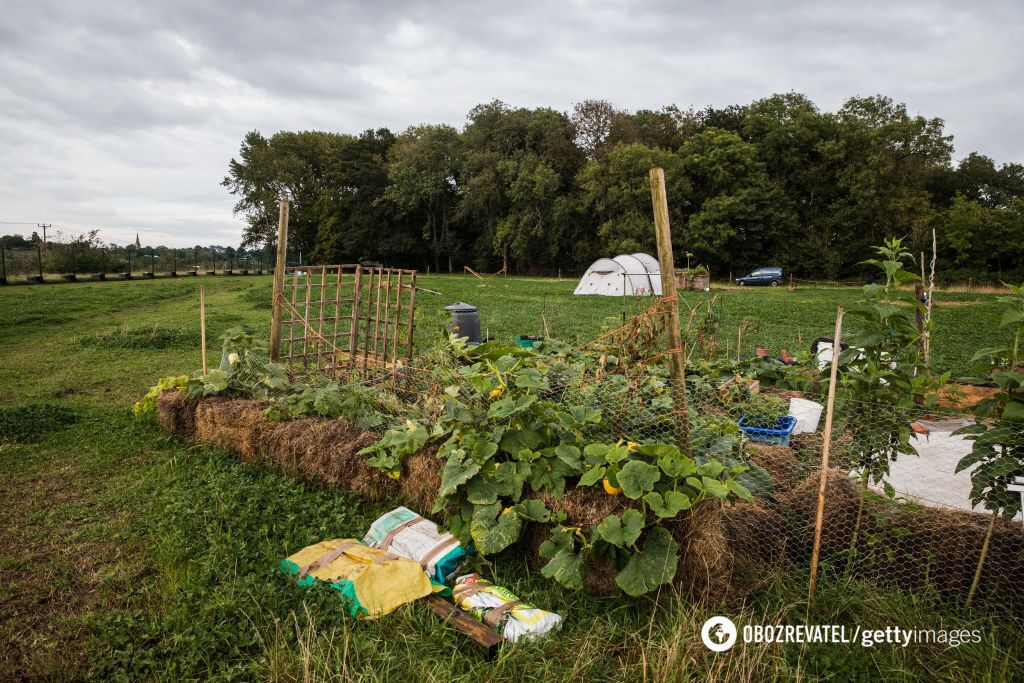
(371, 582)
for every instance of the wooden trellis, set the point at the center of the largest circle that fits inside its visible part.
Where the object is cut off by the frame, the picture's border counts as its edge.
(345, 317)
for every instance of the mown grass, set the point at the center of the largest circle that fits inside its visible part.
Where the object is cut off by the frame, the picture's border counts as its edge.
(126, 553)
(772, 317)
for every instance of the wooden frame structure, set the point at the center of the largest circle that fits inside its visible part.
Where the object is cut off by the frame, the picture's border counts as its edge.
(345, 317)
(340, 318)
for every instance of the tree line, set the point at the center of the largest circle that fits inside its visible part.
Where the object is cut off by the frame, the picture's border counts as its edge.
(88, 253)
(777, 182)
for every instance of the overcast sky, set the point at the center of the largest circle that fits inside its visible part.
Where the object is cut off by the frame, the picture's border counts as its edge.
(124, 115)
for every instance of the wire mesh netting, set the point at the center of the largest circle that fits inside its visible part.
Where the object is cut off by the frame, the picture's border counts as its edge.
(920, 498)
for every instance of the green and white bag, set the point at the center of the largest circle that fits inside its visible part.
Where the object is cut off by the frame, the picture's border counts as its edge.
(407, 534)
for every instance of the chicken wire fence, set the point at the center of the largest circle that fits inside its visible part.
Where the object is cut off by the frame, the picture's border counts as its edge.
(897, 512)
(917, 499)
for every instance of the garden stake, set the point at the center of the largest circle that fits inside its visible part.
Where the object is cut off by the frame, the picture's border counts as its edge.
(202, 325)
(826, 443)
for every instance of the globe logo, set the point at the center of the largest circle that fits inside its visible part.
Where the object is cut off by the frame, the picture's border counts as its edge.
(718, 634)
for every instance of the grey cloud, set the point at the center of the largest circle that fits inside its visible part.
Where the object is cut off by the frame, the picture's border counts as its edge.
(126, 114)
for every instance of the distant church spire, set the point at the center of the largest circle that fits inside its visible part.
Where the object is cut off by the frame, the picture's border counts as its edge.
(138, 245)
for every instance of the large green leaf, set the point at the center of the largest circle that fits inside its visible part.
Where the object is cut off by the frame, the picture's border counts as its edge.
(492, 535)
(530, 378)
(512, 475)
(592, 476)
(516, 440)
(667, 504)
(570, 455)
(637, 478)
(483, 489)
(533, 510)
(508, 407)
(564, 565)
(651, 567)
(677, 465)
(457, 470)
(714, 487)
(1011, 317)
(1014, 411)
(622, 531)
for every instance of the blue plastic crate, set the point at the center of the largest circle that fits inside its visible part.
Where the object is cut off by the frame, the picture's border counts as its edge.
(778, 436)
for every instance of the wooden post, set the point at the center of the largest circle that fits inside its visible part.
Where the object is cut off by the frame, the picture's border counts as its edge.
(279, 268)
(202, 325)
(666, 264)
(826, 444)
(397, 322)
(293, 312)
(306, 325)
(337, 318)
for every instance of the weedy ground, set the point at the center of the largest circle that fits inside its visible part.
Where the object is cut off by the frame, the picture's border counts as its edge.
(126, 553)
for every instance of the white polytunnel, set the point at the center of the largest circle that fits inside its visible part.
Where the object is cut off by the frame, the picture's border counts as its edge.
(624, 275)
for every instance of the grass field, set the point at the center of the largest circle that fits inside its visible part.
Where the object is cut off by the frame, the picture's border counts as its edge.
(126, 553)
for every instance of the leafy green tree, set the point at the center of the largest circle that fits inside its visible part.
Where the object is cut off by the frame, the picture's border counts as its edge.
(423, 165)
(888, 161)
(287, 165)
(356, 223)
(517, 175)
(738, 215)
(616, 191)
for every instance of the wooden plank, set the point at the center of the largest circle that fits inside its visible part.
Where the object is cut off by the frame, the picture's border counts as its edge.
(337, 315)
(202, 326)
(489, 640)
(279, 268)
(398, 318)
(369, 312)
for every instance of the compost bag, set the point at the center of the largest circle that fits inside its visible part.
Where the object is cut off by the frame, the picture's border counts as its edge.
(406, 534)
(371, 582)
(501, 610)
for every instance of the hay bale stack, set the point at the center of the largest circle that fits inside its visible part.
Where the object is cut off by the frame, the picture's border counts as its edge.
(328, 451)
(808, 446)
(420, 480)
(759, 541)
(237, 425)
(842, 497)
(910, 547)
(176, 413)
(778, 461)
(705, 558)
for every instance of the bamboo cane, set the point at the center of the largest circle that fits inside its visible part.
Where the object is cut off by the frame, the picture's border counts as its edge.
(825, 446)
